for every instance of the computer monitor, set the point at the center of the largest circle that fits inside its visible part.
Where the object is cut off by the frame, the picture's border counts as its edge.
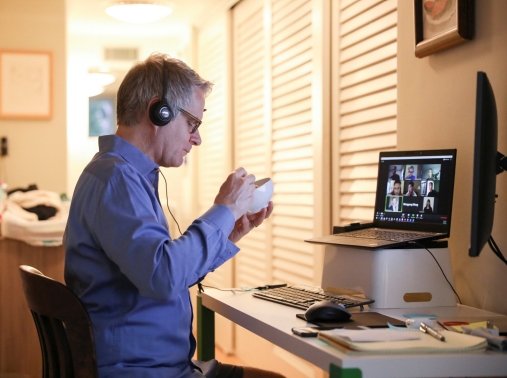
(488, 163)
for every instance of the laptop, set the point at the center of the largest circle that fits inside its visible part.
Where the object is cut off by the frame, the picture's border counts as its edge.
(413, 202)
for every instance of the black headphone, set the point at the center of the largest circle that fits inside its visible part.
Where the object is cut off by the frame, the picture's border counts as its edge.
(160, 111)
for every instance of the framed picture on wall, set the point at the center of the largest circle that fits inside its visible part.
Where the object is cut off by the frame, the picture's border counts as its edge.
(102, 116)
(440, 24)
(25, 84)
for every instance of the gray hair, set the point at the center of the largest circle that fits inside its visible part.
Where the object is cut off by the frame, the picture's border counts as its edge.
(144, 81)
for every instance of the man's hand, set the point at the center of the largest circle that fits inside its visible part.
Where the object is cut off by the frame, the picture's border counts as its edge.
(237, 192)
(248, 222)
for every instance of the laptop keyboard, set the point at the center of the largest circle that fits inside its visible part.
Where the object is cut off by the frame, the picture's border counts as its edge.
(389, 235)
(303, 297)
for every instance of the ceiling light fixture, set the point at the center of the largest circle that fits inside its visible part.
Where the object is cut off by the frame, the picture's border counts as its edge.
(94, 91)
(138, 11)
(97, 79)
(100, 77)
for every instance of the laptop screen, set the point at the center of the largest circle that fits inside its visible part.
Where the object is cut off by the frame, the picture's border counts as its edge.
(415, 190)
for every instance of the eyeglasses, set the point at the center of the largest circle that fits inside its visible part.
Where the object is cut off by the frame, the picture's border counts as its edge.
(197, 120)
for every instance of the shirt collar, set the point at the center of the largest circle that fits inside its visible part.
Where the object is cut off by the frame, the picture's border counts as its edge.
(129, 152)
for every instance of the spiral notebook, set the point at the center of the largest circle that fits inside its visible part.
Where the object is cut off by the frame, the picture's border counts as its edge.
(387, 341)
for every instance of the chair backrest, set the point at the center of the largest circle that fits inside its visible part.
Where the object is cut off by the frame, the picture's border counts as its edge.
(64, 327)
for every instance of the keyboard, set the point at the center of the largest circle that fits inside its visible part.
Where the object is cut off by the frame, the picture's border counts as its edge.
(302, 297)
(390, 235)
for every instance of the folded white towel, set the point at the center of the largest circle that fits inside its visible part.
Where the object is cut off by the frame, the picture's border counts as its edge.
(34, 198)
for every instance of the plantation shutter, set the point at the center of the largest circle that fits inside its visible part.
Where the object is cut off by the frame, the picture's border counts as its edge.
(214, 154)
(292, 64)
(366, 99)
(273, 61)
(252, 144)
(278, 123)
(280, 128)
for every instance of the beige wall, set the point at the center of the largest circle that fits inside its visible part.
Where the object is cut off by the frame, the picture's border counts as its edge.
(436, 109)
(37, 148)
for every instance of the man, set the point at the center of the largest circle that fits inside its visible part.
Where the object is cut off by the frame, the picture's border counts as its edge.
(431, 192)
(410, 191)
(131, 276)
(394, 204)
(410, 175)
(394, 175)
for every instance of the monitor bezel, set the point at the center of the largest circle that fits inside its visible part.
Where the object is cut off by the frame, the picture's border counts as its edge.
(484, 165)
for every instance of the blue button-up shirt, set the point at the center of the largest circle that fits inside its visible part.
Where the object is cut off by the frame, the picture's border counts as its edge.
(130, 275)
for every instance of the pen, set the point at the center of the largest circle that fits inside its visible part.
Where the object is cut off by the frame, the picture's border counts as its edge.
(266, 287)
(427, 329)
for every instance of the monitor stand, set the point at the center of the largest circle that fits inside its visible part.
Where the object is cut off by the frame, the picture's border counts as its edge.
(394, 278)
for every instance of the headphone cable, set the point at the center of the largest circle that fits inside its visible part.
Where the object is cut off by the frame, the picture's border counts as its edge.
(167, 201)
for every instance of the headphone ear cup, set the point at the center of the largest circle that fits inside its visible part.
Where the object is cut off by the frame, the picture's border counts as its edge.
(160, 113)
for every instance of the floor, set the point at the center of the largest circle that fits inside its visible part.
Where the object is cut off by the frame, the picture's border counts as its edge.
(223, 357)
(227, 359)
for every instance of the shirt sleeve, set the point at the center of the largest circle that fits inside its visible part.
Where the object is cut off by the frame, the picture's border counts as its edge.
(130, 229)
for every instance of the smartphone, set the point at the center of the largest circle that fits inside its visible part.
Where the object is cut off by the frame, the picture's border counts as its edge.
(309, 331)
(306, 331)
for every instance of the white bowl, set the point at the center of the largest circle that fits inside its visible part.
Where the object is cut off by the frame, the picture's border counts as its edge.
(262, 195)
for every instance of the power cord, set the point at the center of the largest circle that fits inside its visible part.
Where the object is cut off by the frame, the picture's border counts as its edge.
(167, 201)
(496, 250)
(233, 290)
(421, 245)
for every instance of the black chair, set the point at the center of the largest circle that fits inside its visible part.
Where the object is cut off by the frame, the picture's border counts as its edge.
(64, 327)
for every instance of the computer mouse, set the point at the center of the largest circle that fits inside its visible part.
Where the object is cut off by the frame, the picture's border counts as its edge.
(326, 311)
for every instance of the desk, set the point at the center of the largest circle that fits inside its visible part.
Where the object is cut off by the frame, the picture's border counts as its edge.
(273, 322)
